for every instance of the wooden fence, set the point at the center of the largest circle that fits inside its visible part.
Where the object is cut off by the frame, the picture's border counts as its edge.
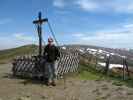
(28, 66)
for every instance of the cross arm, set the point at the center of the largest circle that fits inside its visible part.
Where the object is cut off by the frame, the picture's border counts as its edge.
(40, 21)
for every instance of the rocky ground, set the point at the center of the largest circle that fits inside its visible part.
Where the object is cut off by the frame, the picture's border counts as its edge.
(73, 89)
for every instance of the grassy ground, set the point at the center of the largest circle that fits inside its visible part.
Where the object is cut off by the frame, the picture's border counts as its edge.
(87, 84)
(88, 72)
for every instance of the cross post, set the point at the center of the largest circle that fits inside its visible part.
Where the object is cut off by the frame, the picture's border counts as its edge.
(39, 23)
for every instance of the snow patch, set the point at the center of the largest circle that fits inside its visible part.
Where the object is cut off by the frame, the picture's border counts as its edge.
(111, 65)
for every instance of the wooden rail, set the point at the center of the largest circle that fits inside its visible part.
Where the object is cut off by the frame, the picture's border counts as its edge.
(27, 66)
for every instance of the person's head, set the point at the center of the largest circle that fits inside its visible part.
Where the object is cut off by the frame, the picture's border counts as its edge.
(50, 40)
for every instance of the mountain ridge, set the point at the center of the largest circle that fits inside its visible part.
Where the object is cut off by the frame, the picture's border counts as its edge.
(8, 54)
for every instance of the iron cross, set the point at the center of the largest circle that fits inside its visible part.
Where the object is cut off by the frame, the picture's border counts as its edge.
(39, 23)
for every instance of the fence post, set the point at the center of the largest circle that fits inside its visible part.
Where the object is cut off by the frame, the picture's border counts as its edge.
(107, 64)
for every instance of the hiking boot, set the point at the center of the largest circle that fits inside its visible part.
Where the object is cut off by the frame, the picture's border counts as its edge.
(53, 84)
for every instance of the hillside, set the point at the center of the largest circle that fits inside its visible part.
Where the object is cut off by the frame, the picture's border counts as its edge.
(84, 51)
(9, 54)
(102, 52)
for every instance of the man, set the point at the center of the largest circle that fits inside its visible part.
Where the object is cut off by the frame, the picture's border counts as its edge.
(51, 54)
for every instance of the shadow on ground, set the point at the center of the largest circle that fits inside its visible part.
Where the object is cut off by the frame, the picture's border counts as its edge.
(26, 80)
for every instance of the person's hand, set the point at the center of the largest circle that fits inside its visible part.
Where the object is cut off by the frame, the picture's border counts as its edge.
(58, 58)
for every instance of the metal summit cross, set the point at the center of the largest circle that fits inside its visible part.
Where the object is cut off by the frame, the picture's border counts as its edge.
(39, 23)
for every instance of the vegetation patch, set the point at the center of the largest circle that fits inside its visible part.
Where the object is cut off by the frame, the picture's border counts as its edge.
(6, 56)
(89, 72)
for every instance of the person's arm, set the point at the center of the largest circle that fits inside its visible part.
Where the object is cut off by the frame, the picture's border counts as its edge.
(57, 53)
(45, 51)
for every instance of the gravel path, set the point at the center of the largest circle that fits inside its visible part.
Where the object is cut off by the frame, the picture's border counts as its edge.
(75, 89)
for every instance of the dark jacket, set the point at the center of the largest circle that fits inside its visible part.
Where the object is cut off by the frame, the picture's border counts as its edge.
(51, 53)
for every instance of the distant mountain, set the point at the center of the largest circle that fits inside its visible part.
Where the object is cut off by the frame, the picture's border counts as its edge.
(102, 52)
(117, 54)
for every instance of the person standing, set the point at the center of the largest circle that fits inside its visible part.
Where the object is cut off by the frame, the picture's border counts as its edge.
(51, 54)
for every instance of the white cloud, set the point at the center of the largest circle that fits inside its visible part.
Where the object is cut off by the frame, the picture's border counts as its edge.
(120, 37)
(109, 40)
(59, 3)
(78, 35)
(8, 42)
(23, 37)
(118, 6)
(15, 40)
(128, 26)
(121, 6)
(87, 5)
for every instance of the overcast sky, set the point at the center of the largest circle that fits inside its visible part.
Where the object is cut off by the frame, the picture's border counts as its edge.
(106, 23)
